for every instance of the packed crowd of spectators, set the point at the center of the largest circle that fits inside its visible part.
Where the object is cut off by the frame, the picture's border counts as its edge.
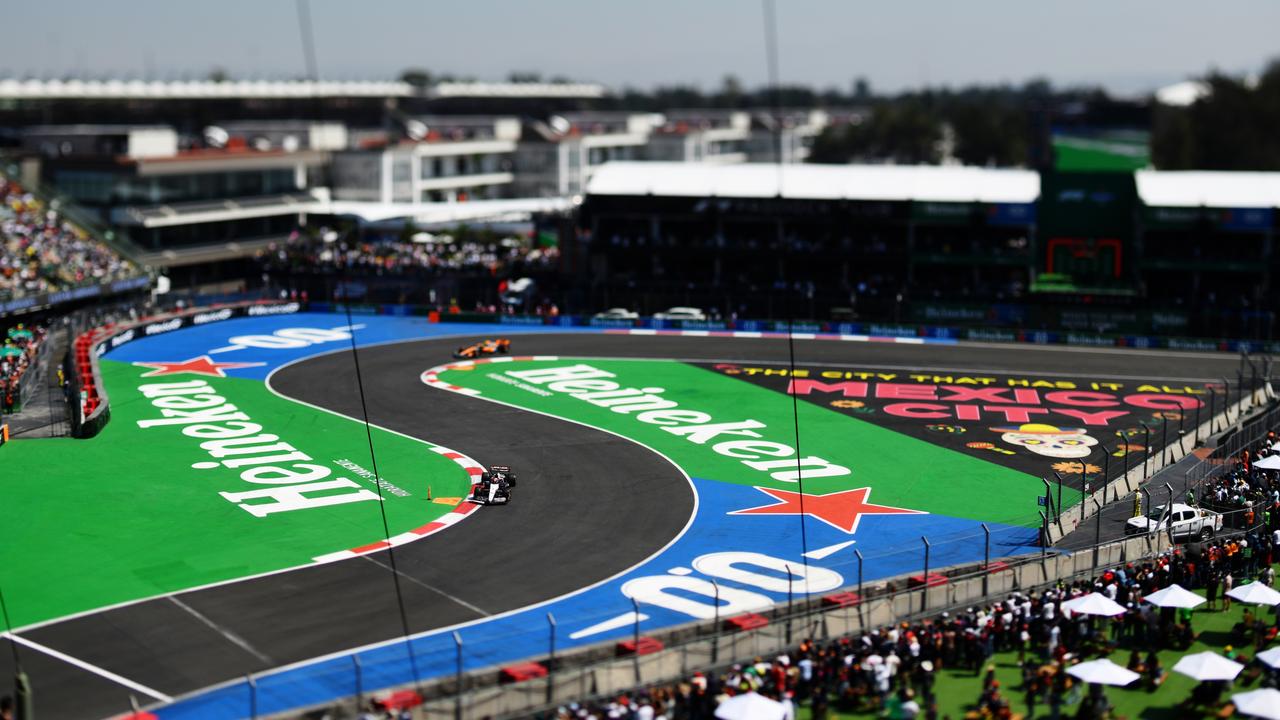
(437, 254)
(1245, 494)
(894, 670)
(40, 251)
(18, 351)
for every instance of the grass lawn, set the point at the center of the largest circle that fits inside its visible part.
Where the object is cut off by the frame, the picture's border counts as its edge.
(958, 691)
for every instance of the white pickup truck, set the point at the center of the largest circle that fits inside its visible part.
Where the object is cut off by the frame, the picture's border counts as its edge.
(1187, 522)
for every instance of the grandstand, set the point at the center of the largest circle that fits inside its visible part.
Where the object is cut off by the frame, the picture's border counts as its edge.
(48, 259)
(1142, 253)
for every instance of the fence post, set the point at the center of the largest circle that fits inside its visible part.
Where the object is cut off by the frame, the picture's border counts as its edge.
(355, 660)
(1084, 481)
(1199, 404)
(1127, 452)
(1058, 509)
(1226, 406)
(1213, 410)
(1106, 471)
(1147, 492)
(1169, 510)
(457, 689)
(790, 597)
(715, 630)
(1044, 538)
(862, 624)
(1253, 384)
(924, 594)
(253, 696)
(1097, 534)
(635, 636)
(551, 660)
(1164, 439)
(1146, 448)
(986, 556)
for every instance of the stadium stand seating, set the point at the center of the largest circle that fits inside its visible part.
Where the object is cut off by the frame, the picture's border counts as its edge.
(41, 251)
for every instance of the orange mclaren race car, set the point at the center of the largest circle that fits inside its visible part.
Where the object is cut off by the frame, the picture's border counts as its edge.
(484, 348)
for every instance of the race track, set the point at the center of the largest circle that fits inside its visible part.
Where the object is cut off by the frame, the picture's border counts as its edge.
(589, 506)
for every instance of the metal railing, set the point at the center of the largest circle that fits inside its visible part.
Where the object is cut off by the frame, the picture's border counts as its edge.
(1162, 445)
(457, 688)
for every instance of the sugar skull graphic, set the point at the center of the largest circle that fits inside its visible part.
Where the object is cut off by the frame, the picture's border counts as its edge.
(1048, 440)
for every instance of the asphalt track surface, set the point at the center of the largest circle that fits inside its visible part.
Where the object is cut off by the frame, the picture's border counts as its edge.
(553, 537)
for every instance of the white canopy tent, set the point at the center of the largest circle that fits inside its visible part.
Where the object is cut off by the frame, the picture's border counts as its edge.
(1174, 596)
(1093, 604)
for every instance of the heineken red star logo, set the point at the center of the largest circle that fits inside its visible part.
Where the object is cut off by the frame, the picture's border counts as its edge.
(203, 365)
(841, 510)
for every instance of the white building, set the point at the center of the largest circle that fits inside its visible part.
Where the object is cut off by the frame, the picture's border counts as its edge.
(558, 157)
(720, 137)
(456, 159)
(792, 130)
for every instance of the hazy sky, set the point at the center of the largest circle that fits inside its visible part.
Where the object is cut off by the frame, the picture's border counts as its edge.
(1125, 45)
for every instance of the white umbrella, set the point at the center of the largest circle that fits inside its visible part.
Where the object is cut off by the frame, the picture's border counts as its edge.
(1263, 703)
(1103, 672)
(1208, 666)
(1255, 593)
(1094, 604)
(751, 706)
(1270, 657)
(1270, 462)
(1174, 596)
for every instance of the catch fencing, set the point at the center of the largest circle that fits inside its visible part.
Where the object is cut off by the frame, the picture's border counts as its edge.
(611, 668)
(1161, 446)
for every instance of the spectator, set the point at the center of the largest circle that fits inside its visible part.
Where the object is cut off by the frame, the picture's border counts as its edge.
(40, 251)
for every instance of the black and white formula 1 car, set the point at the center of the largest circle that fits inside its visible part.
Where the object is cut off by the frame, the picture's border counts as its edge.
(494, 486)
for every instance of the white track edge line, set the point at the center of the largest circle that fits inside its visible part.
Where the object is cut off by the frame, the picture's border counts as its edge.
(88, 667)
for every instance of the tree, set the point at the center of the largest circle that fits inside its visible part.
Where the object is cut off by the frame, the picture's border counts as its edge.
(861, 90)
(731, 92)
(417, 77)
(1232, 128)
(904, 131)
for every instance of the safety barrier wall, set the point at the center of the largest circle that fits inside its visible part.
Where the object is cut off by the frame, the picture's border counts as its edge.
(877, 329)
(1061, 520)
(93, 411)
(601, 670)
(621, 675)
